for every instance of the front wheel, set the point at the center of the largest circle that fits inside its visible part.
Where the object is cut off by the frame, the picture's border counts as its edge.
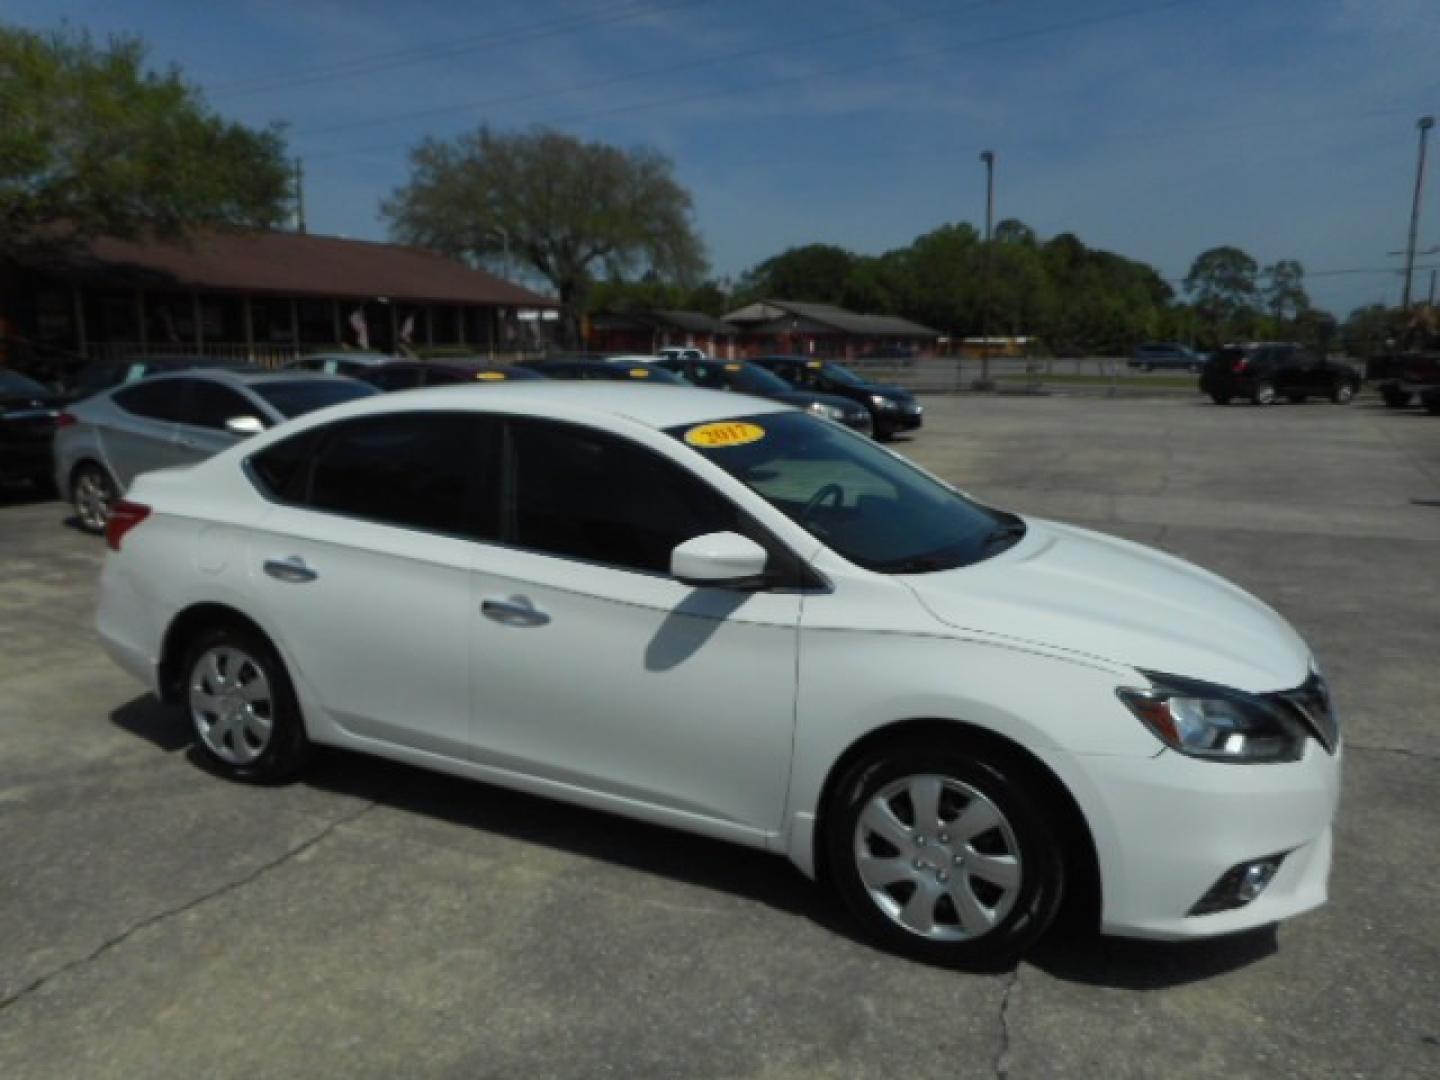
(944, 856)
(246, 721)
(1263, 394)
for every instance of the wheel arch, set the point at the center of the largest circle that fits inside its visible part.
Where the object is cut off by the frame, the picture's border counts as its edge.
(1083, 899)
(182, 630)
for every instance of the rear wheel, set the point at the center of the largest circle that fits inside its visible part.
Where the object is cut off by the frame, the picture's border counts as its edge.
(944, 855)
(1263, 394)
(1394, 397)
(246, 721)
(91, 493)
(1343, 393)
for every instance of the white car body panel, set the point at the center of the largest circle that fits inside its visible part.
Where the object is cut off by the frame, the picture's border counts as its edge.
(725, 713)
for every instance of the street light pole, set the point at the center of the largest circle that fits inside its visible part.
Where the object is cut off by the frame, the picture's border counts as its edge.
(1425, 123)
(988, 157)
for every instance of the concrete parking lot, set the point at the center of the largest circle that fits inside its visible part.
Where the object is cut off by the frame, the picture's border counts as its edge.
(375, 920)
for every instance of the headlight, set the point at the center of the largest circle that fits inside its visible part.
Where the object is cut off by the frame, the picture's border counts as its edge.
(1216, 723)
(830, 412)
(882, 402)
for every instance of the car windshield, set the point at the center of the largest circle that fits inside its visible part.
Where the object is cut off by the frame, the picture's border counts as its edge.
(13, 385)
(841, 374)
(867, 504)
(299, 396)
(747, 378)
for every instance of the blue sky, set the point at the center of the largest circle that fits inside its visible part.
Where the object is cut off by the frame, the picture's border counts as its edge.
(1286, 127)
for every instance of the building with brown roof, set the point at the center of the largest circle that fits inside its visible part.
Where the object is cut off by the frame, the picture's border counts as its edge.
(261, 296)
(652, 330)
(802, 328)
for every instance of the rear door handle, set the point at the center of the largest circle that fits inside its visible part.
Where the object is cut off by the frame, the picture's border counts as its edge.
(514, 611)
(291, 570)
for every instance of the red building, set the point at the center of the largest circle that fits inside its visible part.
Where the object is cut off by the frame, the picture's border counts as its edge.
(795, 328)
(648, 332)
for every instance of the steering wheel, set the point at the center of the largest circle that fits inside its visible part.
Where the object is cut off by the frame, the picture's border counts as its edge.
(833, 492)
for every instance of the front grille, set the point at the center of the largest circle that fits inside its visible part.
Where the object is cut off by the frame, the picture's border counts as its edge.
(1312, 702)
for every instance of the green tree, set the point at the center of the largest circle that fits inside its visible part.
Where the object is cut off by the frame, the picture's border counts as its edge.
(569, 208)
(1221, 284)
(816, 272)
(1284, 290)
(94, 143)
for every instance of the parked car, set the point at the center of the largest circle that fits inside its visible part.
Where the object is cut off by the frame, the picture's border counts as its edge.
(892, 408)
(28, 413)
(1166, 355)
(409, 374)
(1401, 377)
(353, 364)
(600, 370)
(747, 378)
(105, 441)
(100, 375)
(1264, 372)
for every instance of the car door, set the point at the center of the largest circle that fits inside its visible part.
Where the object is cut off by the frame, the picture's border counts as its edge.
(137, 434)
(595, 669)
(362, 566)
(205, 407)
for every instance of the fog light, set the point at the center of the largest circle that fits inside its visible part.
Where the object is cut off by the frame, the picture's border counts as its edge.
(1239, 885)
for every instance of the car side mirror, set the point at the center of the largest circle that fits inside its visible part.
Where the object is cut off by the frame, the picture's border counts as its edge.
(244, 425)
(723, 560)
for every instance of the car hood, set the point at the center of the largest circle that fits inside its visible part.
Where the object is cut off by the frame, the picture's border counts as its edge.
(802, 398)
(1083, 592)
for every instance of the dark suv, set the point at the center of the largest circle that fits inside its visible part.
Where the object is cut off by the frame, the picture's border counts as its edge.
(892, 408)
(1264, 372)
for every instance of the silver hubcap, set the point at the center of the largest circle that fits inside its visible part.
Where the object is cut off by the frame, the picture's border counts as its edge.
(1344, 393)
(231, 705)
(938, 857)
(92, 499)
(1266, 395)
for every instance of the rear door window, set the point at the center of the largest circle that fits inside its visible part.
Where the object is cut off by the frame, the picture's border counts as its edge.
(160, 399)
(210, 405)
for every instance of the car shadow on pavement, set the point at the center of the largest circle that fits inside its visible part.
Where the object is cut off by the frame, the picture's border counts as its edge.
(1069, 953)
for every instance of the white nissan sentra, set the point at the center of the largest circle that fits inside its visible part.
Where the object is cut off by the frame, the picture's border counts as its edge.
(742, 620)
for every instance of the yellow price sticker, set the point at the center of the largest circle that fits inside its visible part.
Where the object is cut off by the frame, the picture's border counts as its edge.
(490, 376)
(734, 367)
(813, 363)
(726, 433)
(639, 373)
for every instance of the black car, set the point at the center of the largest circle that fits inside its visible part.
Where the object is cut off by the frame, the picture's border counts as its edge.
(747, 378)
(1264, 372)
(1165, 354)
(605, 371)
(892, 408)
(408, 374)
(103, 374)
(28, 414)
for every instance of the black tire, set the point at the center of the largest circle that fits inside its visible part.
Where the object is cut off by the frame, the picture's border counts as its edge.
(1263, 394)
(287, 748)
(1220, 399)
(91, 492)
(1394, 397)
(1342, 393)
(1021, 914)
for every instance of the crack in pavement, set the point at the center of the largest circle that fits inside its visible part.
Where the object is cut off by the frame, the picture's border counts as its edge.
(1403, 751)
(189, 905)
(1002, 1056)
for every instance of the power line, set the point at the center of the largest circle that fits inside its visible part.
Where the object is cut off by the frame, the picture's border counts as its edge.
(649, 73)
(389, 61)
(810, 76)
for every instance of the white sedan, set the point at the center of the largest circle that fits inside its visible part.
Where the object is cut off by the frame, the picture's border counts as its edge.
(755, 626)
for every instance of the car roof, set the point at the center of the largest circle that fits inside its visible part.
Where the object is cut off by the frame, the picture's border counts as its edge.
(243, 378)
(354, 358)
(596, 401)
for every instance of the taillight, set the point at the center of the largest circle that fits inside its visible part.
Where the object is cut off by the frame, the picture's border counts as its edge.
(65, 419)
(124, 516)
(1240, 367)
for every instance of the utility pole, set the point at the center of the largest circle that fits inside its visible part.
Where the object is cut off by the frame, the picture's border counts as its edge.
(984, 383)
(504, 234)
(299, 196)
(1425, 123)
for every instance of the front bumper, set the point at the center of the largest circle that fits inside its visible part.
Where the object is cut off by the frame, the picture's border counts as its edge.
(1166, 828)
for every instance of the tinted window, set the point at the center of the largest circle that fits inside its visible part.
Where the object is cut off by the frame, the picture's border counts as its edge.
(394, 378)
(209, 405)
(443, 377)
(283, 469)
(872, 507)
(588, 495)
(306, 395)
(157, 400)
(418, 470)
(13, 385)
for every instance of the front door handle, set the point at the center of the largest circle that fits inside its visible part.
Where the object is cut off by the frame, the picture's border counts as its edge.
(291, 570)
(514, 611)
